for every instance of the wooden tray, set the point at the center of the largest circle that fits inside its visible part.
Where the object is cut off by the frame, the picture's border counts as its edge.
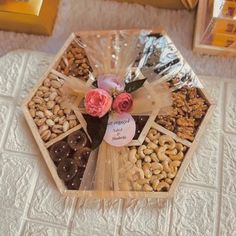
(101, 164)
(200, 27)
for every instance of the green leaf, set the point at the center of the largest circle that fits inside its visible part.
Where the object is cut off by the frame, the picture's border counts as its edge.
(134, 85)
(96, 128)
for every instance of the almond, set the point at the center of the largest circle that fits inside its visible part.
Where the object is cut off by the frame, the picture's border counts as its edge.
(55, 84)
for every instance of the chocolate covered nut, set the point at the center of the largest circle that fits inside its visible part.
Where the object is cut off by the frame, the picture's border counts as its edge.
(59, 151)
(74, 184)
(81, 156)
(77, 140)
(67, 169)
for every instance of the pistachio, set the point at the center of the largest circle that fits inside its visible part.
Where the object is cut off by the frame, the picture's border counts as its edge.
(66, 126)
(50, 122)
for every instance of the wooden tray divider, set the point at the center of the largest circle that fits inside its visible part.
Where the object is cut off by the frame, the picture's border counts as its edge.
(62, 136)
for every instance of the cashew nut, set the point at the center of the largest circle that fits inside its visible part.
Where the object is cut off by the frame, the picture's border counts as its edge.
(153, 134)
(136, 186)
(147, 188)
(147, 159)
(152, 145)
(172, 152)
(163, 186)
(165, 139)
(155, 184)
(140, 151)
(132, 156)
(161, 153)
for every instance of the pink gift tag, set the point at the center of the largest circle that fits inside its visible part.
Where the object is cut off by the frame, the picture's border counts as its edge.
(120, 129)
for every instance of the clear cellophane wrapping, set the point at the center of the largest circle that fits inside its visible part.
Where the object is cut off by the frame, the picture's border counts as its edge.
(130, 56)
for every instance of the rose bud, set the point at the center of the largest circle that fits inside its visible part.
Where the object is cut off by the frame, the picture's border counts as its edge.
(123, 103)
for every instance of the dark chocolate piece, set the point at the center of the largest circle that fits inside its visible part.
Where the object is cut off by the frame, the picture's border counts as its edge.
(59, 151)
(77, 140)
(67, 169)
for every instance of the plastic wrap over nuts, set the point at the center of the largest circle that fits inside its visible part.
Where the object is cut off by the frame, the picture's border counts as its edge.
(118, 114)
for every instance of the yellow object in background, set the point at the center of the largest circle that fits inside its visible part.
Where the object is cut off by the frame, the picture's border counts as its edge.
(31, 16)
(223, 26)
(172, 4)
(224, 40)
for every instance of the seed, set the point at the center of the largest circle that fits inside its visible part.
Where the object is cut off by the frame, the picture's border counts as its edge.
(32, 112)
(71, 117)
(50, 122)
(65, 126)
(147, 188)
(147, 159)
(52, 76)
(55, 84)
(58, 99)
(31, 104)
(53, 135)
(60, 113)
(72, 123)
(46, 135)
(42, 129)
(50, 104)
(39, 93)
(52, 89)
(39, 114)
(55, 119)
(48, 114)
(44, 89)
(40, 121)
(61, 120)
(38, 100)
(52, 96)
(57, 129)
(46, 95)
(42, 108)
(47, 82)
(56, 109)
(67, 111)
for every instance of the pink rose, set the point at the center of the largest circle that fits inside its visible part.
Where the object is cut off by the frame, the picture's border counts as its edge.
(97, 102)
(109, 82)
(123, 103)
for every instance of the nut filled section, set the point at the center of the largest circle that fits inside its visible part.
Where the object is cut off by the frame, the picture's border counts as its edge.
(74, 62)
(153, 166)
(46, 107)
(187, 111)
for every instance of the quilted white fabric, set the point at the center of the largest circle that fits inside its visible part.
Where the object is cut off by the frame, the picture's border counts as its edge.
(30, 204)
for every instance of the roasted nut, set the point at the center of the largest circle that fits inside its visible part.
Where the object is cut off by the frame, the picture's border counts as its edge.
(32, 112)
(46, 135)
(157, 159)
(187, 111)
(147, 188)
(66, 126)
(50, 104)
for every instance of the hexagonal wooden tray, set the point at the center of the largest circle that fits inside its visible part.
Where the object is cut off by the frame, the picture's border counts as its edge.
(100, 160)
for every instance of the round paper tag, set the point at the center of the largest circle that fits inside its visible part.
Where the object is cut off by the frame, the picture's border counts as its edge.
(120, 129)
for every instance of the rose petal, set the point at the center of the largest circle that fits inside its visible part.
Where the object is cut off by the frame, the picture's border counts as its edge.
(109, 82)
